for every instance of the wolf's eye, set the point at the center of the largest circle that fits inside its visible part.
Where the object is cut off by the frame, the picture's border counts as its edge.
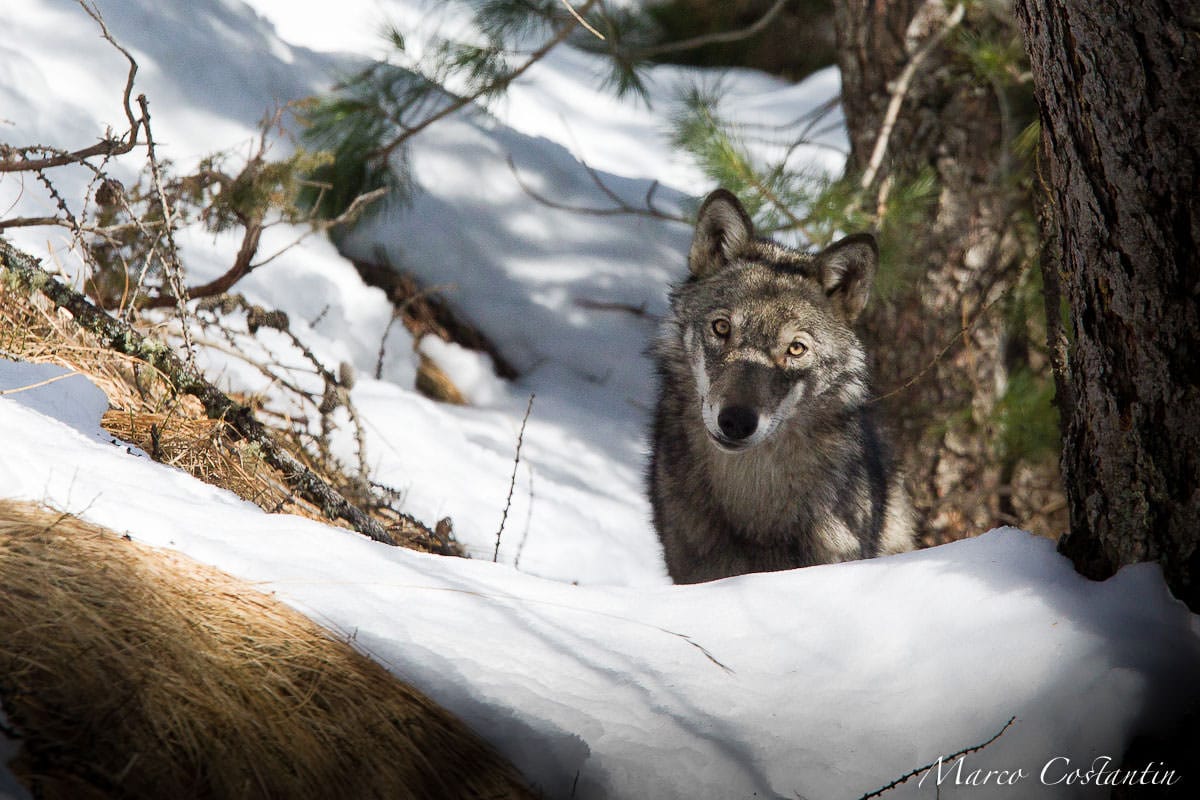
(721, 327)
(797, 348)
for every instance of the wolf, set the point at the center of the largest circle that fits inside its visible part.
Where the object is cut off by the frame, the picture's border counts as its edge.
(765, 454)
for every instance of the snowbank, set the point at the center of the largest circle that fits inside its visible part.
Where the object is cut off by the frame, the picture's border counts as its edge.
(826, 682)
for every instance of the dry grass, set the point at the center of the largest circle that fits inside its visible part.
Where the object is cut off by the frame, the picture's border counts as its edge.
(172, 428)
(209, 450)
(30, 330)
(137, 673)
(434, 383)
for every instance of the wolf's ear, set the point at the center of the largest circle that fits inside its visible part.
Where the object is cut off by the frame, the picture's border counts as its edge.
(723, 229)
(846, 269)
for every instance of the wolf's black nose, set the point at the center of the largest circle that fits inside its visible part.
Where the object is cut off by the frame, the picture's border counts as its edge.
(737, 422)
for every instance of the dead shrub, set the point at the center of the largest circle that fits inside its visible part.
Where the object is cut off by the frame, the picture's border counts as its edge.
(147, 411)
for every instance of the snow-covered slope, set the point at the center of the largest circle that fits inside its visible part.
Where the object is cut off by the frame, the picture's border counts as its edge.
(826, 682)
(822, 683)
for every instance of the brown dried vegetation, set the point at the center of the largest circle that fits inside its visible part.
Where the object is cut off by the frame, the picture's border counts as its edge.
(134, 672)
(172, 428)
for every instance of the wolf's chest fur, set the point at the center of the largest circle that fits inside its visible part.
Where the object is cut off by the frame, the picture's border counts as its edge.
(793, 501)
(766, 492)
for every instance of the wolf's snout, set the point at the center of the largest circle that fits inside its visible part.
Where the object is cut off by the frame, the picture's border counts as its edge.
(737, 422)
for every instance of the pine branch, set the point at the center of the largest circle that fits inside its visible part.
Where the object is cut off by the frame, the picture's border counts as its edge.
(490, 87)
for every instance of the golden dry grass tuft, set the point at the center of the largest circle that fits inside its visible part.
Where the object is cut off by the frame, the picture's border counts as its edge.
(31, 330)
(210, 451)
(135, 673)
(434, 383)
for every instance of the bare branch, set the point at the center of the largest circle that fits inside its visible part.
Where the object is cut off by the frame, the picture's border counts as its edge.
(722, 37)
(106, 147)
(172, 268)
(931, 765)
(89, 6)
(513, 483)
(621, 207)
(120, 337)
(900, 90)
(579, 18)
(30, 222)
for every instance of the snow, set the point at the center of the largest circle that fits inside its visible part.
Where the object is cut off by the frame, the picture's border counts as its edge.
(583, 665)
(825, 682)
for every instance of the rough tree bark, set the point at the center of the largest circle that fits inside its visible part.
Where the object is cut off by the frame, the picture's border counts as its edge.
(966, 260)
(1118, 85)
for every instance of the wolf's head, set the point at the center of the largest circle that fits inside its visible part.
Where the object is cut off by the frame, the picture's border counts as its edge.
(765, 329)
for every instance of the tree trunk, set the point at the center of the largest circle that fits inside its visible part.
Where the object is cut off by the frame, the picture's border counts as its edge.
(943, 385)
(1118, 85)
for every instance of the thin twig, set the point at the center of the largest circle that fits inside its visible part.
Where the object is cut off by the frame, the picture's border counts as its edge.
(721, 37)
(360, 436)
(105, 147)
(932, 764)
(237, 352)
(582, 21)
(59, 201)
(398, 313)
(933, 362)
(961, 334)
(39, 384)
(352, 212)
(621, 208)
(899, 92)
(383, 345)
(512, 483)
(170, 260)
(528, 519)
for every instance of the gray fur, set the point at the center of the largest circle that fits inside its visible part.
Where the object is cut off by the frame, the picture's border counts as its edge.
(763, 459)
